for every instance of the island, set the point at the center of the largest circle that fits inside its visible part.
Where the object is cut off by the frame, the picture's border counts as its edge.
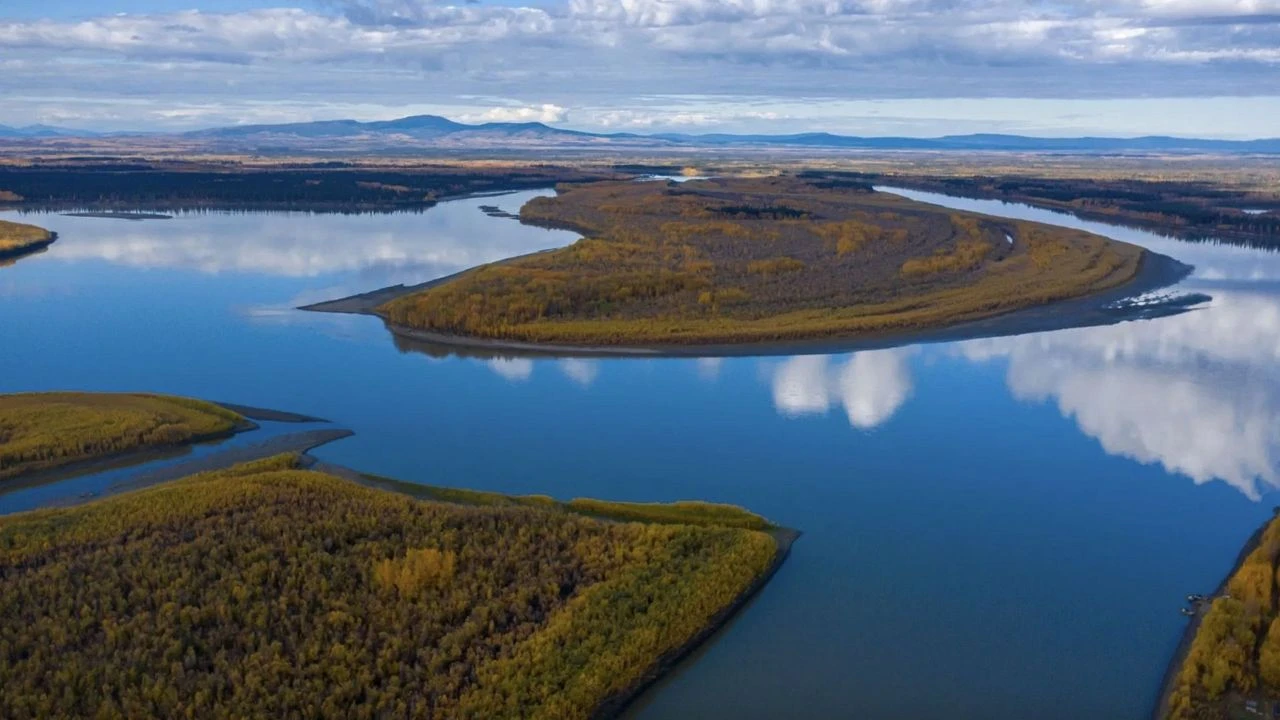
(745, 262)
(283, 586)
(19, 239)
(1228, 664)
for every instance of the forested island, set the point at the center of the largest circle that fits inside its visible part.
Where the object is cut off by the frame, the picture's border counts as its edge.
(282, 588)
(18, 239)
(47, 431)
(1229, 666)
(754, 260)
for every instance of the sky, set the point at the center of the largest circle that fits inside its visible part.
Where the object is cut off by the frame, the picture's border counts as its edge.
(1205, 68)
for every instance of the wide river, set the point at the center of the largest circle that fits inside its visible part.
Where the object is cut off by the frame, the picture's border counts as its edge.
(998, 529)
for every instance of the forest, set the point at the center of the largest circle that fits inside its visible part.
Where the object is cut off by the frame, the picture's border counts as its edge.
(1234, 657)
(19, 239)
(45, 431)
(319, 186)
(270, 591)
(759, 259)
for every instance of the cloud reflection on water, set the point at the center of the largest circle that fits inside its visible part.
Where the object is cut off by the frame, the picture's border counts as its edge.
(1198, 393)
(870, 385)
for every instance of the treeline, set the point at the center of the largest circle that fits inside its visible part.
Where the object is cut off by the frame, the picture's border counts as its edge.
(1193, 210)
(741, 260)
(269, 591)
(1235, 655)
(44, 431)
(339, 189)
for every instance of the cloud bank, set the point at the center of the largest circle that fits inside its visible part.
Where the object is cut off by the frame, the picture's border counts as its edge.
(616, 56)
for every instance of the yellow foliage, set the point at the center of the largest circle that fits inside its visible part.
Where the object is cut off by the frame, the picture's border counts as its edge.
(14, 237)
(419, 568)
(264, 591)
(42, 431)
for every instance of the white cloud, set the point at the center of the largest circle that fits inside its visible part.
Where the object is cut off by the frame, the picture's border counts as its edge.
(608, 55)
(545, 113)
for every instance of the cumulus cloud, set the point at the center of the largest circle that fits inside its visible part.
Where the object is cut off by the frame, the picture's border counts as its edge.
(545, 113)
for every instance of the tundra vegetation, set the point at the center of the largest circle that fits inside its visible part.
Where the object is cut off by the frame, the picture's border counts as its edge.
(267, 590)
(19, 238)
(760, 259)
(46, 431)
(1234, 657)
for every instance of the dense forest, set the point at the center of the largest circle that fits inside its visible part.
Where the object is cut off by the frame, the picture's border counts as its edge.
(1234, 658)
(1190, 209)
(19, 239)
(333, 187)
(270, 591)
(43, 431)
(740, 260)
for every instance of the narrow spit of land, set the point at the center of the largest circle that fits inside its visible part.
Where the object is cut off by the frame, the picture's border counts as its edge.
(727, 265)
(51, 435)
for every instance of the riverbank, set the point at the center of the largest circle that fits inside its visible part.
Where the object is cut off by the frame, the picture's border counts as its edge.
(1169, 682)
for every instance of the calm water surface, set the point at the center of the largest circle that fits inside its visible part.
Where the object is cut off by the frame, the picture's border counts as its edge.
(996, 529)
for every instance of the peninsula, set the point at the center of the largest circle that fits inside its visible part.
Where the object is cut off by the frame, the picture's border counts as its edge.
(18, 239)
(282, 586)
(50, 431)
(750, 261)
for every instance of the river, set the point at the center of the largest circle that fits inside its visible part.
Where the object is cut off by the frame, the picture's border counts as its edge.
(998, 528)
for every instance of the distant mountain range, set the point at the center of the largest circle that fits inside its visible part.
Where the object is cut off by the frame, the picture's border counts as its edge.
(42, 131)
(423, 132)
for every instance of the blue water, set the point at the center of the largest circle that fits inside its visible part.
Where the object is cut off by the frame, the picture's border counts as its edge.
(995, 529)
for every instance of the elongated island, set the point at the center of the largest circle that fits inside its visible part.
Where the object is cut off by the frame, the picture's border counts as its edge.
(742, 262)
(282, 587)
(19, 239)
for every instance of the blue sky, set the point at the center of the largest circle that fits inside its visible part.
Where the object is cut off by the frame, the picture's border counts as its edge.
(910, 67)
